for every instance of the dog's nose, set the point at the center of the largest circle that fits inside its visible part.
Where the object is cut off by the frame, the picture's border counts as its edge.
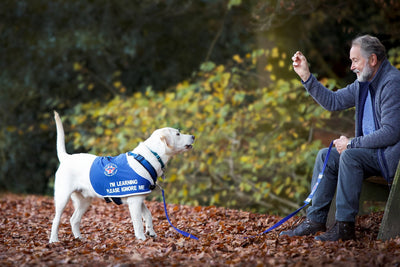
(193, 137)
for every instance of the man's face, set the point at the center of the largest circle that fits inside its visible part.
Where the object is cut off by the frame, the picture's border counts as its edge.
(360, 65)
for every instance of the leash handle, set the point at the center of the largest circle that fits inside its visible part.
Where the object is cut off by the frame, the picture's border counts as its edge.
(169, 221)
(306, 202)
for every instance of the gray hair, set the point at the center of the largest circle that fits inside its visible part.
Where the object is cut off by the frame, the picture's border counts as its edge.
(370, 45)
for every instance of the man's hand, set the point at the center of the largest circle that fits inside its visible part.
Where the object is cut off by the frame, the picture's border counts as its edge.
(300, 66)
(341, 143)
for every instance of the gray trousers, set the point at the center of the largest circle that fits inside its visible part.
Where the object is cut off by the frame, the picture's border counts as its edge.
(345, 173)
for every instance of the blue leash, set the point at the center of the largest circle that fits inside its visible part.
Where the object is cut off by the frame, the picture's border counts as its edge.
(176, 229)
(153, 174)
(306, 202)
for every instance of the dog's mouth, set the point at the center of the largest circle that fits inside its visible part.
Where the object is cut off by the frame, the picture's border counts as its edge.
(188, 146)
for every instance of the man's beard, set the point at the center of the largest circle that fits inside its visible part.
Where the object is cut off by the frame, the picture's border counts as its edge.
(365, 74)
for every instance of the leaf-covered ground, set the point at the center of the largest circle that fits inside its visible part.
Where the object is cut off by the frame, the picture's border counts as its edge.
(109, 239)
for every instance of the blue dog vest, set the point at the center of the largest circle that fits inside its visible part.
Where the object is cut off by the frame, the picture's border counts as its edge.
(113, 177)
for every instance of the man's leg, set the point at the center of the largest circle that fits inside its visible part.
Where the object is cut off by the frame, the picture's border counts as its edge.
(317, 213)
(354, 166)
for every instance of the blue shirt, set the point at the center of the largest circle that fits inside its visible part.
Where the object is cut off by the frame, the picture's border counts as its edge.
(368, 124)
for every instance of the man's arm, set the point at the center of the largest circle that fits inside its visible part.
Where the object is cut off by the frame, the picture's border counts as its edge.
(329, 100)
(300, 66)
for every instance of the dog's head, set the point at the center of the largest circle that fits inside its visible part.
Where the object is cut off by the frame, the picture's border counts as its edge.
(175, 142)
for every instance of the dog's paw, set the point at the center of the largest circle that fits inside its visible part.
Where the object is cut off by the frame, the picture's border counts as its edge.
(53, 240)
(151, 234)
(141, 237)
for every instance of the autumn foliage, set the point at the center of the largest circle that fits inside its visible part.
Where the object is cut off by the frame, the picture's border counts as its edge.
(108, 238)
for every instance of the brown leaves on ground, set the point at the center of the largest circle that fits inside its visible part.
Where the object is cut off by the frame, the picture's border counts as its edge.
(109, 240)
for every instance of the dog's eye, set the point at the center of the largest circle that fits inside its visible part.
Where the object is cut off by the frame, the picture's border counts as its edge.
(178, 133)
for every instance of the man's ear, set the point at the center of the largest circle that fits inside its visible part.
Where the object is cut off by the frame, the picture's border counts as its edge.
(373, 60)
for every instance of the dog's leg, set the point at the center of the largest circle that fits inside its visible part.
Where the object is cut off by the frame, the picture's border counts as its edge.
(61, 201)
(148, 220)
(81, 204)
(135, 208)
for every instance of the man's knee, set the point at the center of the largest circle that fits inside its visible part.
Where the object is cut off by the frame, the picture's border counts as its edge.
(322, 153)
(349, 156)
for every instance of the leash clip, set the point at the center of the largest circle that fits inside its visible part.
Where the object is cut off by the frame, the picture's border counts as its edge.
(160, 186)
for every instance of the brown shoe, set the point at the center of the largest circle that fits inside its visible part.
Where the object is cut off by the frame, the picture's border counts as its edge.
(340, 230)
(307, 227)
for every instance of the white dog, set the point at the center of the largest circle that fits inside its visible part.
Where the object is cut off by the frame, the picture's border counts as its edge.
(74, 178)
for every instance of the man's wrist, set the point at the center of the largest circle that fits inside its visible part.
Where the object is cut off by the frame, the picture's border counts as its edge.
(349, 144)
(306, 77)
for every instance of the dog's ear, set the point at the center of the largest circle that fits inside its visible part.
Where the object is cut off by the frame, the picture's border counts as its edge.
(164, 139)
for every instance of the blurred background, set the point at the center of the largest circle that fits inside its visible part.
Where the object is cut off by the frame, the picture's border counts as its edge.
(218, 69)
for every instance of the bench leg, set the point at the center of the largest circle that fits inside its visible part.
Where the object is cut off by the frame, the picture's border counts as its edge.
(390, 226)
(330, 221)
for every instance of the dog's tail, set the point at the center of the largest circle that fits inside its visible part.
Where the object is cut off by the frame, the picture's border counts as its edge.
(61, 151)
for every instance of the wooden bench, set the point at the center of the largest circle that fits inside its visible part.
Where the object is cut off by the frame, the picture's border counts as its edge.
(376, 189)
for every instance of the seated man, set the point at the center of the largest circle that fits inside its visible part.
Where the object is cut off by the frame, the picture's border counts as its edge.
(375, 149)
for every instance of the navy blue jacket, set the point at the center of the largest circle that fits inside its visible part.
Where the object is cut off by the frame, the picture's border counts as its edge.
(385, 95)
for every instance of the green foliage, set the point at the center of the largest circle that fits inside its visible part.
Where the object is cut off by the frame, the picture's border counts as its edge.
(252, 148)
(55, 54)
(234, 3)
(394, 57)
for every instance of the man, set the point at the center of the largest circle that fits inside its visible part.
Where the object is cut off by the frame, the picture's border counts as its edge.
(375, 150)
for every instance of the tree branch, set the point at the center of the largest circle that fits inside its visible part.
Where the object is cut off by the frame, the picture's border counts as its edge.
(216, 38)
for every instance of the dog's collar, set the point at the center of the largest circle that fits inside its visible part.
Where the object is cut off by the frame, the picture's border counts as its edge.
(158, 158)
